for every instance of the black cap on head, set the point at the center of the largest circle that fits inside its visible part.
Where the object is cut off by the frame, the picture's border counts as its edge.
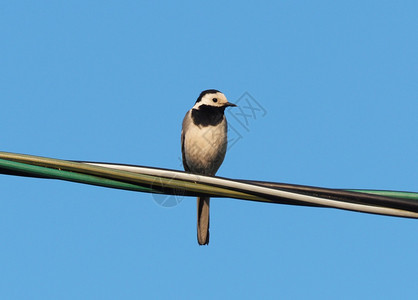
(211, 91)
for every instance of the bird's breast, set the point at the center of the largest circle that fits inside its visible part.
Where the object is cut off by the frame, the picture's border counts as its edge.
(205, 147)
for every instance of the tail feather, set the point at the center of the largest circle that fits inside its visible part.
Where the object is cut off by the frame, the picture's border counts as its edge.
(203, 220)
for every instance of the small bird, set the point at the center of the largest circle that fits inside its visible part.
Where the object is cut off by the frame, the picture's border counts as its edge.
(203, 146)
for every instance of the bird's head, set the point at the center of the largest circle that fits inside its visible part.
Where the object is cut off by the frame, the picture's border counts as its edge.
(212, 98)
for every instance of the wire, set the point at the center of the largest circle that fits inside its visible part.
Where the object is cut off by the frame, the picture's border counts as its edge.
(149, 181)
(22, 169)
(175, 182)
(396, 194)
(251, 188)
(402, 200)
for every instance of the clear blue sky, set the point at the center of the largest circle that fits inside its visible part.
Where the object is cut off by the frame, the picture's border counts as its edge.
(112, 80)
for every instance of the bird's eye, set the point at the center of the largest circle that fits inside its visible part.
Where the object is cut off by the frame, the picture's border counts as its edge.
(215, 100)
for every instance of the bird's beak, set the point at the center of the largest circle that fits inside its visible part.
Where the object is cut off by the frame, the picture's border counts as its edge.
(229, 104)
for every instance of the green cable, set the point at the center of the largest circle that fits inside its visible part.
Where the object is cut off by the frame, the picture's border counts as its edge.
(138, 180)
(393, 194)
(129, 177)
(104, 176)
(72, 176)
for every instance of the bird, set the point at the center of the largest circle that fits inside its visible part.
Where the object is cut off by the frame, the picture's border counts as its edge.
(203, 146)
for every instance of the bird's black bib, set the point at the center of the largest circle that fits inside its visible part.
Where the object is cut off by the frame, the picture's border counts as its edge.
(208, 115)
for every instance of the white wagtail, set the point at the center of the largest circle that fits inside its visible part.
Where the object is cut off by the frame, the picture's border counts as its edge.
(203, 147)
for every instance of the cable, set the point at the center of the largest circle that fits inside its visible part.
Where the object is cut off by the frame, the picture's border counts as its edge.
(169, 181)
(266, 192)
(401, 200)
(22, 169)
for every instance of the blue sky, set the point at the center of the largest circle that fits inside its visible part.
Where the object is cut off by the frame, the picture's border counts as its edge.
(111, 81)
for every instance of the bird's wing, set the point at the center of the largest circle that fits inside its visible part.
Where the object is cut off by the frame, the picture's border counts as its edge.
(186, 123)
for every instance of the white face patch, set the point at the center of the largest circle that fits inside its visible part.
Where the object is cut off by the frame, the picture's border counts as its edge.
(212, 99)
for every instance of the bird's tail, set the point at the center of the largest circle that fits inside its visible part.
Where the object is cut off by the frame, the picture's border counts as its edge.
(203, 220)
